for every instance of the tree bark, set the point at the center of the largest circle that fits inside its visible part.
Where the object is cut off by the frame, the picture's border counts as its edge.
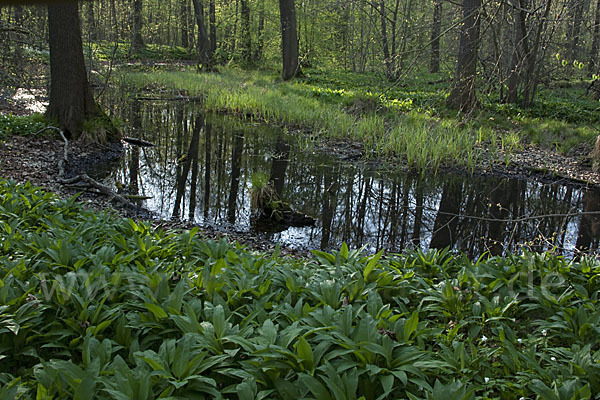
(436, 29)
(463, 95)
(203, 44)
(71, 101)
(289, 39)
(137, 42)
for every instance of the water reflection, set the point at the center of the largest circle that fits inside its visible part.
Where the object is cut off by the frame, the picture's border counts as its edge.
(202, 167)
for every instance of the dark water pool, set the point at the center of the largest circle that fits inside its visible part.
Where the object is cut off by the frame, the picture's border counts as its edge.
(202, 167)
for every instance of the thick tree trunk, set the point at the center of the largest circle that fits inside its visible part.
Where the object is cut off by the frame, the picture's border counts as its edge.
(203, 44)
(289, 39)
(436, 29)
(71, 101)
(245, 31)
(463, 95)
(136, 40)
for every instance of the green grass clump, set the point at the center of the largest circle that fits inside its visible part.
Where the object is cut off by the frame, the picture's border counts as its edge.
(97, 307)
(21, 125)
(390, 127)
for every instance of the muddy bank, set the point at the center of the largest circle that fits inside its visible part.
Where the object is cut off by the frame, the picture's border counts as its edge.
(35, 160)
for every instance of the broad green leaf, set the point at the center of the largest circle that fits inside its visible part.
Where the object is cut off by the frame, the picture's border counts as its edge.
(305, 353)
(156, 310)
(411, 325)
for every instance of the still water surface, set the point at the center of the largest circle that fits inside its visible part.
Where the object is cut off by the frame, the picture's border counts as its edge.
(202, 167)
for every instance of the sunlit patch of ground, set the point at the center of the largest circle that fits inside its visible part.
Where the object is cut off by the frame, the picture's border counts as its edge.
(24, 101)
(30, 99)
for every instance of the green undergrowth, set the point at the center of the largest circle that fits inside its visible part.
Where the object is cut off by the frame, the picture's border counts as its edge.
(21, 125)
(108, 50)
(97, 307)
(387, 126)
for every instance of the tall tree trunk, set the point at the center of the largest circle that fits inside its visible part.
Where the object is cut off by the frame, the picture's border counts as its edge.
(531, 68)
(234, 32)
(245, 31)
(289, 39)
(575, 9)
(71, 101)
(261, 30)
(463, 95)
(185, 33)
(203, 44)
(593, 64)
(436, 29)
(520, 51)
(114, 22)
(212, 22)
(91, 21)
(387, 59)
(137, 42)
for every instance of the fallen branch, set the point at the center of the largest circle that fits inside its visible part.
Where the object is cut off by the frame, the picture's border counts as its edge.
(137, 197)
(62, 163)
(92, 183)
(138, 142)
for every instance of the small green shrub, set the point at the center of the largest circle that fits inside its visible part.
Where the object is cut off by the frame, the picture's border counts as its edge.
(21, 125)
